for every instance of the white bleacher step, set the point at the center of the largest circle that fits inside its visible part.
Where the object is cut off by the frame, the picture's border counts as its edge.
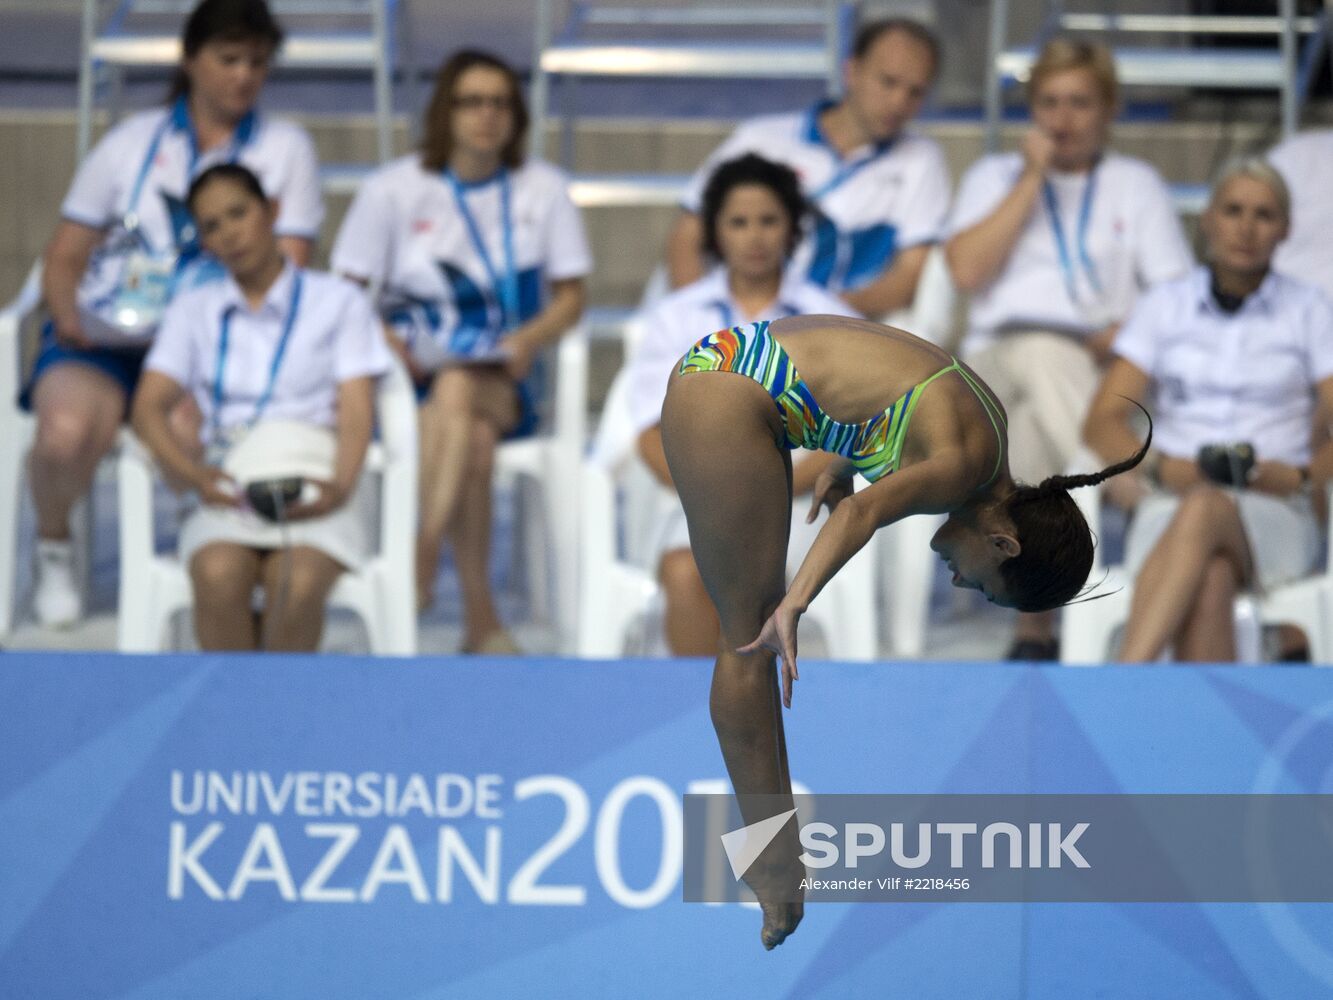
(299, 51)
(764, 17)
(1186, 24)
(618, 190)
(717, 60)
(623, 190)
(1222, 68)
(343, 179)
(280, 8)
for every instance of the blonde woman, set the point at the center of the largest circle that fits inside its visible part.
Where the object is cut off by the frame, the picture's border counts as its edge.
(1054, 243)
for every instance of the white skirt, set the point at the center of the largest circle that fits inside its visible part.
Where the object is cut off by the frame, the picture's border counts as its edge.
(344, 535)
(1282, 532)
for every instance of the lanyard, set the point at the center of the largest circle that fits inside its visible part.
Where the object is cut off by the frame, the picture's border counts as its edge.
(224, 339)
(1080, 237)
(847, 171)
(506, 285)
(179, 117)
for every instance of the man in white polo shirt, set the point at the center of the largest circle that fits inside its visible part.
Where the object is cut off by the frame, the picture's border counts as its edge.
(1307, 254)
(879, 190)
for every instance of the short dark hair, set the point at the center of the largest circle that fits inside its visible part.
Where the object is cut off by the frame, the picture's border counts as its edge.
(1056, 543)
(234, 172)
(752, 169)
(872, 31)
(437, 144)
(224, 20)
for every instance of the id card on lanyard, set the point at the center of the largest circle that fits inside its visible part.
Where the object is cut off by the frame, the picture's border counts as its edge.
(149, 274)
(845, 172)
(502, 300)
(218, 441)
(1079, 258)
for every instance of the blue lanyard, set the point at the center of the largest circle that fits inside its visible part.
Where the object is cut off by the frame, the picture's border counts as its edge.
(506, 285)
(224, 339)
(847, 171)
(1080, 237)
(179, 117)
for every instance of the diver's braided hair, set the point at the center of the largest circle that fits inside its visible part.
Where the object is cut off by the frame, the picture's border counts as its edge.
(1056, 544)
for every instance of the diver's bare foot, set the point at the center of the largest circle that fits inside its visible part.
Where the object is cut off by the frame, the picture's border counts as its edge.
(781, 900)
(780, 920)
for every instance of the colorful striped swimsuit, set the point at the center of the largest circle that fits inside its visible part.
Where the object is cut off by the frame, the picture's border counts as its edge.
(874, 447)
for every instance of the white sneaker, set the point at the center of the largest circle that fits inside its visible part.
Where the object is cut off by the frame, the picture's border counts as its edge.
(56, 599)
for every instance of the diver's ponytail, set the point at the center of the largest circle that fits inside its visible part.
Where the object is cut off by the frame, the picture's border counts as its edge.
(1054, 484)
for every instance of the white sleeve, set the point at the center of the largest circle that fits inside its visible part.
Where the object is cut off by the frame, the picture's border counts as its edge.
(736, 144)
(1138, 338)
(982, 189)
(175, 348)
(925, 200)
(1285, 157)
(300, 201)
(93, 196)
(364, 248)
(1161, 253)
(361, 347)
(650, 368)
(1320, 344)
(566, 251)
(818, 302)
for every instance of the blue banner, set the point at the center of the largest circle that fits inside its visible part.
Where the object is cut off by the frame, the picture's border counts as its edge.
(275, 826)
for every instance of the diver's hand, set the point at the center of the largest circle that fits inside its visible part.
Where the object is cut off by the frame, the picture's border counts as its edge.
(779, 636)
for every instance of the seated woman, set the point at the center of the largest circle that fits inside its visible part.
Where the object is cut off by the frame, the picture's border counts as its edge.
(479, 257)
(125, 243)
(272, 350)
(752, 211)
(1054, 243)
(1234, 353)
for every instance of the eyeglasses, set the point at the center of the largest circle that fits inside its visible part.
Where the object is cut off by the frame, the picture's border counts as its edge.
(475, 102)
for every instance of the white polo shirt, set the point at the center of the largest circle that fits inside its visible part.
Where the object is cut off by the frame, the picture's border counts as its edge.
(119, 177)
(1307, 253)
(406, 235)
(1131, 239)
(878, 201)
(675, 323)
(1248, 376)
(335, 337)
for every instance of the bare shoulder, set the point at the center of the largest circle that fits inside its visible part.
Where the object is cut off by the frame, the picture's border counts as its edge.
(961, 422)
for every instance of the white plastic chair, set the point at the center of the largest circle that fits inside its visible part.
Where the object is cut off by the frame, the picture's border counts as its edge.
(17, 429)
(931, 314)
(153, 587)
(907, 566)
(1088, 628)
(544, 468)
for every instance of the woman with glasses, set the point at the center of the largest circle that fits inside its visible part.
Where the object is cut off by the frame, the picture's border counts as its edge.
(477, 256)
(126, 242)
